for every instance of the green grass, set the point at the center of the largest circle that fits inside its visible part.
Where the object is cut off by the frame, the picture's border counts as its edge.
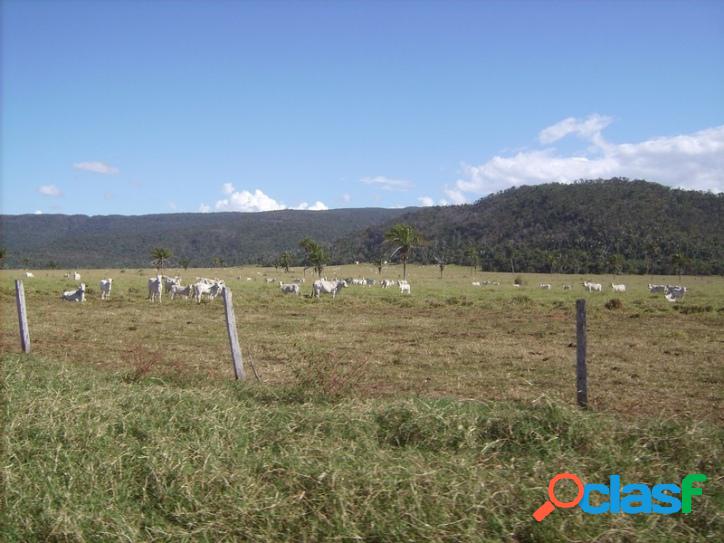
(89, 456)
(439, 416)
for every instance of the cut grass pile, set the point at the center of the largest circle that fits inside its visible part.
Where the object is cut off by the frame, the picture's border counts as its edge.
(92, 455)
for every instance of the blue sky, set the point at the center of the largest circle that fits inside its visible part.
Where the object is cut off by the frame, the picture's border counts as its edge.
(158, 107)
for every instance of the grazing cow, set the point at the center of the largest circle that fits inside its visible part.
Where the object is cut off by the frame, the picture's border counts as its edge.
(653, 289)
(370, 282)
(387, 283)
(299, 281)
(76, 276)
(168, 282)
(516, 285)
(566, 287)
(546, 286)
(618, 288)
(476, 283)
(674, 293)
(212, 290)
(77, 295)
(328, 287)
(358, 281)
(593, 287)
(290, 288)
(106, 285)
(270, 280)
(405, 287)
(155, 288)
(29, 274)
(178, 290)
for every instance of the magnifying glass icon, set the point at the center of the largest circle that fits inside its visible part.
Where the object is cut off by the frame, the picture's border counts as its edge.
(549, 506)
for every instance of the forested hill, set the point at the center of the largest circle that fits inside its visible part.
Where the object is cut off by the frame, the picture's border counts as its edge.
(125, 241)
(589, 226)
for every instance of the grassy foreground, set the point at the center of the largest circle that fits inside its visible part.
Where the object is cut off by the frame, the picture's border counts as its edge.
(91, 455)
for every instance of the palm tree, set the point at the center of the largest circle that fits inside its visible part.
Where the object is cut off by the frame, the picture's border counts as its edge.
(406, 238)
(160, 255)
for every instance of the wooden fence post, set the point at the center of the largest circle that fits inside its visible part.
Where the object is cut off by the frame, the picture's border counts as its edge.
(22, 316)
(233, 338)
(581, 371)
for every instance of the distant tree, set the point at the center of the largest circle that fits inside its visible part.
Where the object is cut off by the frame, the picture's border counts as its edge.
(406, 238)
(616, 262)
(379, 262)
(52, 265)
(308, 245)
(680, 262)
(160, 255)
(184, 262)
(473, 256)
(218, 262)
(3, 252)
(318, 259)
(26, 262)
(284, 260)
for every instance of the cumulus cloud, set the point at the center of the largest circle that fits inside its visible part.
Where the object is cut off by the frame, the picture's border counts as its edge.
(386, 183)
(588, 128)
(426, 201)
(316, 206)
(690, 161)
(50, 190)
(248, 201)
(96, 167)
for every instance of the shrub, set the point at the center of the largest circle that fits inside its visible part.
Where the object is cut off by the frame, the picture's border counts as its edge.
(613, 303)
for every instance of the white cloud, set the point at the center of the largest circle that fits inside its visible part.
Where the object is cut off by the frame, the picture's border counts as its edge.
(388, 184)
(227, 188)
(316, 206)
(456, 196)
(204, 208)
(248, 201)
(346, 198)
(426, 201)
(50, 190)
(38, 212)
(690, 161)
(590, 128)
(97, 167)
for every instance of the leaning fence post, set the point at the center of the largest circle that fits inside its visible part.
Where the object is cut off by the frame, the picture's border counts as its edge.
(233, 338)
(22, 316)
(581, 371)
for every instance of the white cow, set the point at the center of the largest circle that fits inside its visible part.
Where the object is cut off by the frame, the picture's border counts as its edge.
(155, 288)
(476, 283)
(168, 282)
(653, 289)
(545, 286)
(405, 287)
(675, 293)
(212, 290)
(387, 283)
(29, 274)
(77, 295)
(76, 276)
(593, 287)
(289, 288)
(106, 285)
(270, 280)
(370, 282)
(328, 287)
(178, 290)
(618, 288)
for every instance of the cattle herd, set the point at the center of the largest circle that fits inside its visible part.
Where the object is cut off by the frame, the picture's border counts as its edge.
(211, 288)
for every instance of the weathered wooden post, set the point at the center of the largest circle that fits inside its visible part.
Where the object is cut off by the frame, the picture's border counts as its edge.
(22, 316)
(233, 338)
(581, 371)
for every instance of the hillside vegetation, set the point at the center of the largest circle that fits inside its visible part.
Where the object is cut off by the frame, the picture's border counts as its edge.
(42, 241)
(603, 226)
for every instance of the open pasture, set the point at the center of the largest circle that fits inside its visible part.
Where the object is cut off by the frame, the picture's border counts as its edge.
(447, 339)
